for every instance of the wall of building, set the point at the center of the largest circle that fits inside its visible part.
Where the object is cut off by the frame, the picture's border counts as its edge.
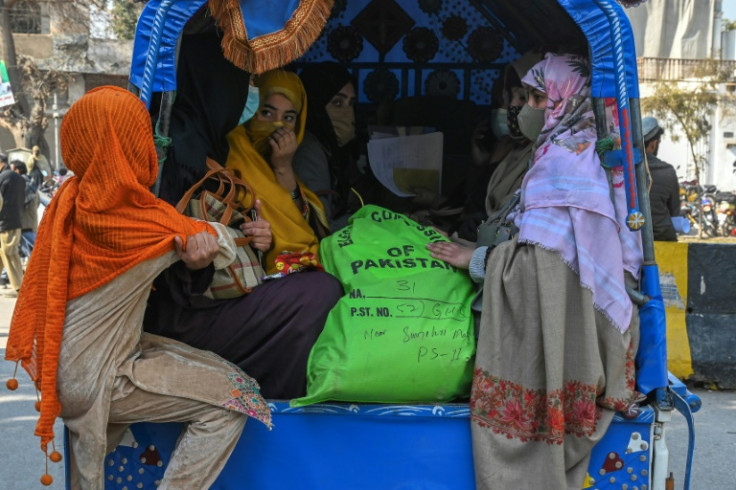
(673, 37)
(70, 47)
(673, 28)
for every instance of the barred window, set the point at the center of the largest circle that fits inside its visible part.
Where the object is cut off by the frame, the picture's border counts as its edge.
(25, 17)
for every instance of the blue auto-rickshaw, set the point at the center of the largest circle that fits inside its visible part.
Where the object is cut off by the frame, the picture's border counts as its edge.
(353, 446)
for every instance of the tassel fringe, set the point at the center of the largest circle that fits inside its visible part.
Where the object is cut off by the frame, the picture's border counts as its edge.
(272, 50)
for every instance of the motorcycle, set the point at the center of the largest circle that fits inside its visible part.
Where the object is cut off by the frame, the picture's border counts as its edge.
(698, 207)
(726, 206)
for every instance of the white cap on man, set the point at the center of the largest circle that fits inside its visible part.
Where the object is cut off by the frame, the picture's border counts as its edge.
(650, 129)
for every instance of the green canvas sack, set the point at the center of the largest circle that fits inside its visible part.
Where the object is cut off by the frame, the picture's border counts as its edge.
(403, 332)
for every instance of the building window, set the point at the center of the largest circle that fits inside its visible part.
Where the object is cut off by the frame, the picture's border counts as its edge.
(25, 18)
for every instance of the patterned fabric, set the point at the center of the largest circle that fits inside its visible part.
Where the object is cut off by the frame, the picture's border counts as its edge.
(101, 223)
(111, 374)
(538, 415)
(566, 201)
(550, 372)
(246, 398)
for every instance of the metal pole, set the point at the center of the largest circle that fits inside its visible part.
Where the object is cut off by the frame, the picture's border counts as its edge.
(55, 115)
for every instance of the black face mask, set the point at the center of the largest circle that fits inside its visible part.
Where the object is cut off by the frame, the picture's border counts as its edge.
(512, 118)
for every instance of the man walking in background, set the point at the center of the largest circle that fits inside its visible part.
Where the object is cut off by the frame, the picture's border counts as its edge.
(29, 216)
(664, 194)
(13, 190)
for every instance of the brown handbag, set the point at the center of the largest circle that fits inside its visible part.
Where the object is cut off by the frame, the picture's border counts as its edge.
(225, 205)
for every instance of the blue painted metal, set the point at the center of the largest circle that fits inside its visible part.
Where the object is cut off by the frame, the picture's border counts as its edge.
(607, 68)
(693, 400)
(153, 47)
(683, 407)
(617, 158)
(153, 65)
(363, 446)
(634, 219)
(651, 358)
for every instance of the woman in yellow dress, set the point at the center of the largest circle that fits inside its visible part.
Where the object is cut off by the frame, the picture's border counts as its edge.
(269, 331)
(261, 152)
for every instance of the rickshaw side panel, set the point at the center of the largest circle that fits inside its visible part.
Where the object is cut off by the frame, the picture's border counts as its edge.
(338, 446)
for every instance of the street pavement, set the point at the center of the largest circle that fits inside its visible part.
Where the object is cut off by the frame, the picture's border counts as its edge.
(23, 462)
(20, 451)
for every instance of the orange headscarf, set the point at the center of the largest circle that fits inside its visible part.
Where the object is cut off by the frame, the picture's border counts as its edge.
(102, 222)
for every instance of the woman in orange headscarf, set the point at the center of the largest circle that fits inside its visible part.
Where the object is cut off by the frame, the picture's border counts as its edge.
(77, 325)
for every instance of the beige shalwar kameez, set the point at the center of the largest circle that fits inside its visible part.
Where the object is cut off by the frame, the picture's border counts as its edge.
(111, 374)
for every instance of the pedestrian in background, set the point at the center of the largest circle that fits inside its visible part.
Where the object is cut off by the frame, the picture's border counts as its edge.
(13, 189)
(664, 194)
(29, 217)
(36, 165)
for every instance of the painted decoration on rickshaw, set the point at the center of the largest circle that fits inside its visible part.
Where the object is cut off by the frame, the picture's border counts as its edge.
(434, 47)
(345, 43)
(383, 23)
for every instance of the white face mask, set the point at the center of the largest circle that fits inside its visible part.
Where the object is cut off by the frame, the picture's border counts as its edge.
(499, 122)
(251, 104)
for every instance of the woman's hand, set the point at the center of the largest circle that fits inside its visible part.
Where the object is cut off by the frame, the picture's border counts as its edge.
(200, 251)
(452, 253)
(283, 145)
(259, 229)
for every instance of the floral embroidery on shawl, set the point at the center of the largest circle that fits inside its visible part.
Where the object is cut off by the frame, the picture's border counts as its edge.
(246, 398)
(533, 415)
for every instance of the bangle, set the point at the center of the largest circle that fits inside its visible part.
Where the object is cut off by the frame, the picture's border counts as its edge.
(296, 193)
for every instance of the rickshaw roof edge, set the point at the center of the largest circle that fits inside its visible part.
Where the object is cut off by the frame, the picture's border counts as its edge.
(603, 22)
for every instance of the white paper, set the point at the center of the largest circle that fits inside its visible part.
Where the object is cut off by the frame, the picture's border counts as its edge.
(422, 152)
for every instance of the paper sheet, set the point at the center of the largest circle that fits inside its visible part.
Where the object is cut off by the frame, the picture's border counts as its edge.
(405, 163)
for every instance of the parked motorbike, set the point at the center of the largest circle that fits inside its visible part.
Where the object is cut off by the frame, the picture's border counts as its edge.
(697, 204)
(726, 207)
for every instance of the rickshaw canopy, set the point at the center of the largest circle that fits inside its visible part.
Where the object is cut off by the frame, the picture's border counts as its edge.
(523, 25)
(459, 46)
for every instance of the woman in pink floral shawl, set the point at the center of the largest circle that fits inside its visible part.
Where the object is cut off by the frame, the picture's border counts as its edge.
(558, 331)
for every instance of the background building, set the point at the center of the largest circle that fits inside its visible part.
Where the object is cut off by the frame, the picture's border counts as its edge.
(674, 39)
(72, 38)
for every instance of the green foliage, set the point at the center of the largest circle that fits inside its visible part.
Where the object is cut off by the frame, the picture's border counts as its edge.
(124, 18)
(685, 109)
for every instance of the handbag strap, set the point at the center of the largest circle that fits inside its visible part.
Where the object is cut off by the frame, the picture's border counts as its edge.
(224, 177)
(237, 184)
(504, 210)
